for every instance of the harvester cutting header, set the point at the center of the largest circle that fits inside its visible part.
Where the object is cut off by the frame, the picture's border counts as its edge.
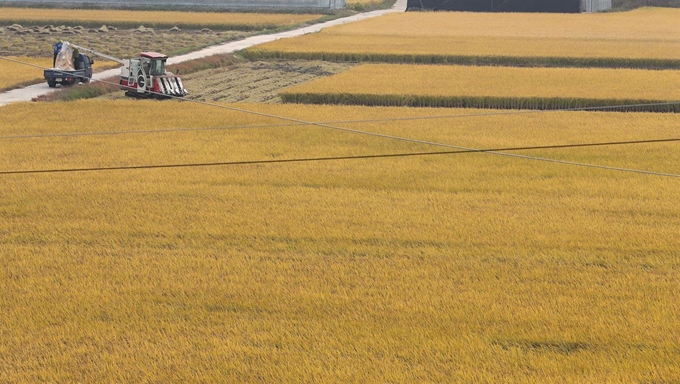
(142, 77)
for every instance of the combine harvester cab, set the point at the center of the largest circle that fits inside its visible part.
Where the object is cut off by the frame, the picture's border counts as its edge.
(146, 77)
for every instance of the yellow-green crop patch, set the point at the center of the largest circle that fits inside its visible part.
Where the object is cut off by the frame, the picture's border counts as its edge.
(96, 18)
(14, 75)
(465, 268)
(644, 38)
(498, 87)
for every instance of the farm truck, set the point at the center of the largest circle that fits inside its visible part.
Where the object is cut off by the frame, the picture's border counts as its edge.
(70, 66)
(144, 76)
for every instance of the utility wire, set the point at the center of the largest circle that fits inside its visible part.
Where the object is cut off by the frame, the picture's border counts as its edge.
(359, 157)
(397, 138)
(301, 122)
(362, 121)
(142, 131)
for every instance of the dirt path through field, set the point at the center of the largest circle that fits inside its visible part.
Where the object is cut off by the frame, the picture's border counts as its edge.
(28, 93)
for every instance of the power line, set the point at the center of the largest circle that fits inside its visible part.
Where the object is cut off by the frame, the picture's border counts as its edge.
(514, 112)
(142, 131)
(397, 138)
(302, 122)
(362, 121)
(363, 157)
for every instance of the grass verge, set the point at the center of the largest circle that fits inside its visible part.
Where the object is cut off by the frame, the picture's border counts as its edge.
(82, 91)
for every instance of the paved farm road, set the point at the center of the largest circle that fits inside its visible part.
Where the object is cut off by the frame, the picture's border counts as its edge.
(28, 93)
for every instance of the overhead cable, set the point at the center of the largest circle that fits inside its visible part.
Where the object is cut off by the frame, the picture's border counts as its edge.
(360, 157)
(406, 139)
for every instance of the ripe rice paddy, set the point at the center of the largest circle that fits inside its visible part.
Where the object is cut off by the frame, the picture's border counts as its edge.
(643, 38)
(467, 268)
(13, 75)
(121, 18)
(484, 87)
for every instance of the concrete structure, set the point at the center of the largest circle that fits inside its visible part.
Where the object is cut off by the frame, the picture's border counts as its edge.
(211, 4)
(595, 5)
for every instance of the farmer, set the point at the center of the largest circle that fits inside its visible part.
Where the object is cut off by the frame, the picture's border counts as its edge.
(76, 59)
(57, 49)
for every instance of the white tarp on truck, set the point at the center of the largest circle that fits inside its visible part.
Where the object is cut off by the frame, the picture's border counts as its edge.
(64, 59)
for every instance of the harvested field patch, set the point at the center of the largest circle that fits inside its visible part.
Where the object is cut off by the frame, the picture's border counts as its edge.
(118, 43)
(237, 80)
(155, 19)
(256, 81)
(483, 87)
(644, 38)
(460, 268)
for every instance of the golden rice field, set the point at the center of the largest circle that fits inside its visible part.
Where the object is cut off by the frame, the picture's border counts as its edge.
(13, 74)
(646, 37)
(447, 268)
(92, 17)
(498, 87)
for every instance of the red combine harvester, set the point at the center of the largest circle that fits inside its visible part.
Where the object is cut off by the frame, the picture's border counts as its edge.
(145, 77)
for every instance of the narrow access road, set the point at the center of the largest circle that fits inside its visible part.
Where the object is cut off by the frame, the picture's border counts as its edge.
(33, 91)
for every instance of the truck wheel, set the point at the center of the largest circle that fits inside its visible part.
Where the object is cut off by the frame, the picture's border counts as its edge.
(85, 80)
(51, 84)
